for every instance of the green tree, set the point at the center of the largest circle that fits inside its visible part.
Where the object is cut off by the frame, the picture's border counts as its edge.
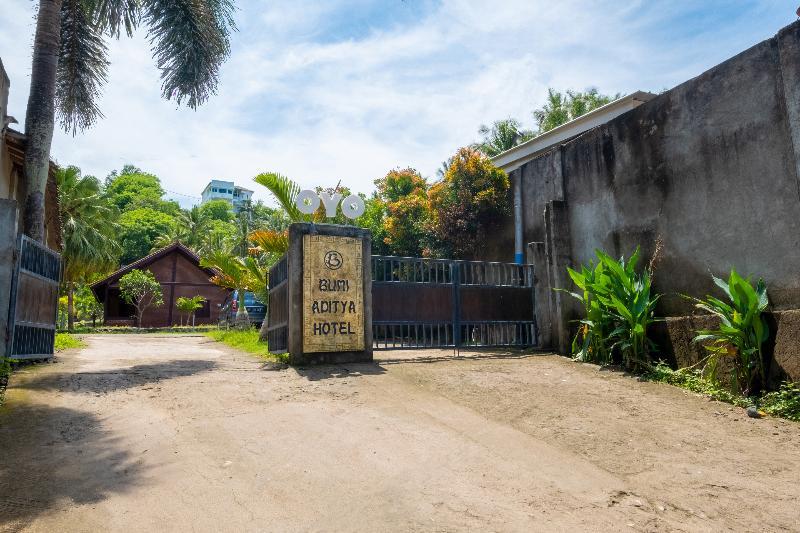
(560, 108)
(467, 206)
(404, 193)
(189, 41)
(88, 230)
(501, 136)
(189, 229)
(139, 229)
(216, 210)
(130, 191)
(86, 305)
(189, 306)
(141, 290)
(269, 218)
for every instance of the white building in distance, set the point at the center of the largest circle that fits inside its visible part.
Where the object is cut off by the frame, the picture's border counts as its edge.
(239, 197)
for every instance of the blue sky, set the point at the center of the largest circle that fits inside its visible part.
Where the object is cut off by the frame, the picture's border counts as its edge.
(347, 90)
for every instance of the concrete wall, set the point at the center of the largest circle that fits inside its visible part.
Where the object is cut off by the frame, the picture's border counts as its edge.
(710, 168)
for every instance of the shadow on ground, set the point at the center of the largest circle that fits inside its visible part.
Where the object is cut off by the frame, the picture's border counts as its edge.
(316, 373)
(118, 379)
(436, 356)
(54, 457)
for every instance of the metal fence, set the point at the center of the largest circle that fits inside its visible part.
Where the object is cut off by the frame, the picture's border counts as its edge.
(439, 303)
(278, 307)
(34, 301)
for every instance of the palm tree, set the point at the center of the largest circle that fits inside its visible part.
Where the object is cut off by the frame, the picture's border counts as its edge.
(88, 226)
(231, 273)
(189, 230)
(285, 192)
(190, 40)
(501, 136)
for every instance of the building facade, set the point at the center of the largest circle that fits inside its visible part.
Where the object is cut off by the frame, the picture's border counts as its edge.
(239, 197)
(178, 271)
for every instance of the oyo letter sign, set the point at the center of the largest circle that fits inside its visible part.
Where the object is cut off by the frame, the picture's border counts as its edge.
(308, 201)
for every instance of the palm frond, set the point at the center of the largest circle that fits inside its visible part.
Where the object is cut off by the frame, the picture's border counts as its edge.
(82, 67)
(113, 15)
(285, 192)
(271, 242)
(190, 40)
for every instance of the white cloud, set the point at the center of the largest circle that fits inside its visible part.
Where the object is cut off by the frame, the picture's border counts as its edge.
(317, 92)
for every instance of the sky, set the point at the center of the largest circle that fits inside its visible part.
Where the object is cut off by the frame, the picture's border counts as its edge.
(346, 90)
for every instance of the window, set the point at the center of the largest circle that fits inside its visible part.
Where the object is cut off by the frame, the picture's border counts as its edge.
(213, 189)
(205, 311)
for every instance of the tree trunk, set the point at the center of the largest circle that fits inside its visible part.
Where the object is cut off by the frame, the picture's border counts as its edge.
(262, 333)
(40, 115)
(70, 306)
(242, 320)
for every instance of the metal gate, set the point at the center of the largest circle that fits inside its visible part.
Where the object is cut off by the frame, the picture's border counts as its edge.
(436, 303)
(34, 301)
(278, 307)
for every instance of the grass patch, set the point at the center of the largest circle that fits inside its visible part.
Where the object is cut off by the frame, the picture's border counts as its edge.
(784, 403)
(247, 341)
(65, 341)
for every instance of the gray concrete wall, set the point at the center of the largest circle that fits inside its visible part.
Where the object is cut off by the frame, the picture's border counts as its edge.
(710, 168)
(8, 244)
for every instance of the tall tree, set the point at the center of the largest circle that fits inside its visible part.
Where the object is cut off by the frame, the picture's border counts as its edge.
(467, 206)
(404, 193)
(88, 230)
(189, 40)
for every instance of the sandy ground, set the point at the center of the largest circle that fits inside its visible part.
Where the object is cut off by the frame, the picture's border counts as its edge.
(168, 433)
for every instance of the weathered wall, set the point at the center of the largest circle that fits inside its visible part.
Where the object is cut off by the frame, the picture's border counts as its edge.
(709, 167)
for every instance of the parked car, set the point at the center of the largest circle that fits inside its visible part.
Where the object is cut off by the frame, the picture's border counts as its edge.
(256, 311)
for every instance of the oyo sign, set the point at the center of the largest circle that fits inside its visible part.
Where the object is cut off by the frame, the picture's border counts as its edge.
(308, 201)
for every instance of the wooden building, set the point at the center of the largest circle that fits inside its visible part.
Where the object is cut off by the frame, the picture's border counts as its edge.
(178, 271)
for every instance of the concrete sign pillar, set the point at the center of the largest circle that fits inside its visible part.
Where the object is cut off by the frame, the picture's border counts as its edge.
(330, 294)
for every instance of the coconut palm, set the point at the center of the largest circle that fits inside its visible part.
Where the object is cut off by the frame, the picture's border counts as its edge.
(189, 41)
(189, 229)
(88, 230)
(231, 273)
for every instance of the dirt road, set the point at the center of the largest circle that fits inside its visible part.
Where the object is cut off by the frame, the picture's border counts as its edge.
(166, 433)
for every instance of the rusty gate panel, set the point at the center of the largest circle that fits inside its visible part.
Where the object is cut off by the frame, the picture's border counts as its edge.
(434, 303)
(34, 301)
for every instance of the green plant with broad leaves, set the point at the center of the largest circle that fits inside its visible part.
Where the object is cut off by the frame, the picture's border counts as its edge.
(619, 309)
(590, 343)
(741, 333)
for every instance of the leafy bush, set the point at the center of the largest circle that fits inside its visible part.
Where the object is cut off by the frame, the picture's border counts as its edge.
(65, 341)
(784, 402)
(694, 381)
(619, 309)
(741, 332)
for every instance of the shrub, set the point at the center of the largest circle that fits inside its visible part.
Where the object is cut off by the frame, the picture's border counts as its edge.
(619, 309)
(784, 403)
(741, 332)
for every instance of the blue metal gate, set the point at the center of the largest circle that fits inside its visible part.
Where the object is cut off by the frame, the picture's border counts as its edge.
(34, 301)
